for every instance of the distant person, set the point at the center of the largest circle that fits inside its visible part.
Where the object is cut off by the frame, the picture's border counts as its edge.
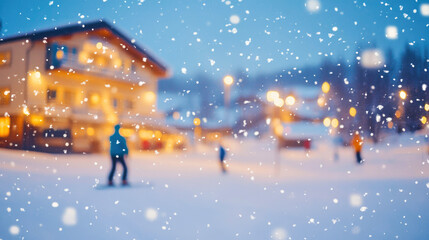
(118, 153)
(222, 155)
(357, 143)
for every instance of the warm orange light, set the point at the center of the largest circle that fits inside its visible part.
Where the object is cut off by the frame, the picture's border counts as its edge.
(149, 96)
(334, 123)
(402, 94)
(290, 100)
(321, 101)
(146, 134)
(95, 99)
(352, 111)
(398, 114)
(327, 122)
(60, 54)
(37, 74)
(127, 132)
(99, 45)
(390, 125)
(25, 111)
(197, 121)
(272, 95)
(427, 107)
(228, 80)
(176, 115)
(90, 131)
(83, 57)
(36, 120)
(326, 87)
(279, 102)
(278, 130)
(4, 126)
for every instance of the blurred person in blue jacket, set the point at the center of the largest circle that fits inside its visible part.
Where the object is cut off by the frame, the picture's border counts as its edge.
(118, 153)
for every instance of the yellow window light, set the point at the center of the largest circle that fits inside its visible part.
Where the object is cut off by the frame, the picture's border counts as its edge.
(145, 134)
(95, 99)
(127, 132)
(326, 87)
(149, 96)
(278, 130)
(352, 111)
(4, 126)
(197, 121)
(327, 122)
(60, 54)
(36, 120)
(423, 120)
(90, 131)
(334, 123)
(427, 107)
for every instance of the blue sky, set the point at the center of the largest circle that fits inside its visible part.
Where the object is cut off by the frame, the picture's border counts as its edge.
(198, 36)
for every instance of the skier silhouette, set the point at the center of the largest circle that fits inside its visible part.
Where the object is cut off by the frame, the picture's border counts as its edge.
(118, 153)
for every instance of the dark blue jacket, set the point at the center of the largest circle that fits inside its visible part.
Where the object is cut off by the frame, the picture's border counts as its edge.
(118, 145)
(222, 153)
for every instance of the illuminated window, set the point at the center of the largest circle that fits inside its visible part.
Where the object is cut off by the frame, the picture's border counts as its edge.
(94, 99)
(4, 96)
(51, 95)
(4, 126)
(5, 58)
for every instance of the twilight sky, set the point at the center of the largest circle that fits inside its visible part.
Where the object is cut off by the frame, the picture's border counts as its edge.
(220, 36)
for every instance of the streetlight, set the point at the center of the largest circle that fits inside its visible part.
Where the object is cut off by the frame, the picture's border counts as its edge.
(228, 80)
(401, 109)
(197, 129)
(402, 94)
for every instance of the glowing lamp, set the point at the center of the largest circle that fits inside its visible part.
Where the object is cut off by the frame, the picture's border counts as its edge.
(228, 80)
(423, 120)
(402, 94)
(272, 95)
(334, 123)
(352, 111)
(290, 100)
(326, 87)
(99, 45)
(60, 54)
(279, 102)
(327, 122)
(197, 121)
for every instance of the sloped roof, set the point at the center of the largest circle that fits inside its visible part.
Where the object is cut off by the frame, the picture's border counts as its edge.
(88, 27)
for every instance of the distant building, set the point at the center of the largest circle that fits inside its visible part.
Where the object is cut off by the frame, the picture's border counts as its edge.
(65, 88)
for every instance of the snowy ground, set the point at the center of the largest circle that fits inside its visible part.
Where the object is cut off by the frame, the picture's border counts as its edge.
(184, 196)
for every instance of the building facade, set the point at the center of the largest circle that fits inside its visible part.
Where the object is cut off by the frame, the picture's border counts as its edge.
(64, 89)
